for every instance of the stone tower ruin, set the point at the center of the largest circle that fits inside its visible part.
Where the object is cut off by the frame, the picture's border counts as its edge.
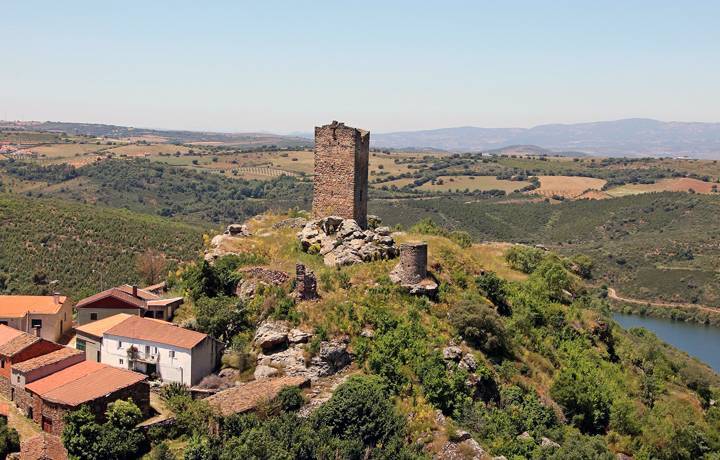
(413, 262)
(341, 172)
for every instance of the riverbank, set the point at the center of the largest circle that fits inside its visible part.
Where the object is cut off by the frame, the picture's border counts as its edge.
(700, 314)
(696, 340)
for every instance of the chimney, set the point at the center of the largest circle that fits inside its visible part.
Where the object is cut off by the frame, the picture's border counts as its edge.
(56, 298)
(134, 290)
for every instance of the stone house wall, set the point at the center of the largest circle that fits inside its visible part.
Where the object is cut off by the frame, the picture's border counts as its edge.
(55, 413)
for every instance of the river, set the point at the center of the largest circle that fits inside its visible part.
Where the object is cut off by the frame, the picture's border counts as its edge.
(697, 340)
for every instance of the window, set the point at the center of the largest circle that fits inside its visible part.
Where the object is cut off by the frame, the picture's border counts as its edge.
(98, 356)
(93, 316)
(65, 316)
(119, 344)
(172, 353)
(80, 344)
(147, 349)
(121, 361)
(160, 314)
(2, 363)
(36, 323)
(4, 323)
(17, 379)
(155, 350)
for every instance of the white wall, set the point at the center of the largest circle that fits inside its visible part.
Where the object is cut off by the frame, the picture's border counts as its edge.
(177, 369)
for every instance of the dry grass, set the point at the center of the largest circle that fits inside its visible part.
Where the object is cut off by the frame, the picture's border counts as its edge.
(473, 183)
(567, 186)
(148, 150)
(665, 185)
(67, 150)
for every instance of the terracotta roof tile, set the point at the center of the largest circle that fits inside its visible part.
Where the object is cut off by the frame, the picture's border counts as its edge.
(141, 293)
(244, 398)
(8, 333)
(18, 344)
(158, 331)
(112, 292)
(15, 306)
(45, 360)
(98, 328)
(83, 382)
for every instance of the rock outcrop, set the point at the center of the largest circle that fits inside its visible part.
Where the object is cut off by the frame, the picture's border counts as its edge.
(342, 242)
(284, 351)
(217, 244)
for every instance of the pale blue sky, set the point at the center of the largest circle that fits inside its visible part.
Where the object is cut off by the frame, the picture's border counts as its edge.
(381, 65)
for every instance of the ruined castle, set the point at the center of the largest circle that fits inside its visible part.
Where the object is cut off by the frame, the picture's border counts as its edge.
(341, 172)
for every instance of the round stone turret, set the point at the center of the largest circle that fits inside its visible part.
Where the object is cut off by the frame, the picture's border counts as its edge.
(413, 262)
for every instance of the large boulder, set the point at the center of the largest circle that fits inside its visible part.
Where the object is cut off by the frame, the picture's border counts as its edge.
(271, 334)
(237, 230)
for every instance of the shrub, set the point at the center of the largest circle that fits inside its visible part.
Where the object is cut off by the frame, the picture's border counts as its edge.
(360, 408)
(524, 258)
(480, 326)
(290, 399)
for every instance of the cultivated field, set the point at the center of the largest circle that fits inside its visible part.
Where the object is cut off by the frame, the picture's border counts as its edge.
(473, 183)
(567, 186)
(683, 184)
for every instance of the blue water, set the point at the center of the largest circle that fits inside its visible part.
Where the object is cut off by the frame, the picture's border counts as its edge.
(700, 341)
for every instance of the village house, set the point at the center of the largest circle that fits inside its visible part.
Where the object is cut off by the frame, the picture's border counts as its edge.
(127, 299)
(87, 383)
(36, 368)
(48, 317)
(15, 347)
(155, 348)
(89, 337)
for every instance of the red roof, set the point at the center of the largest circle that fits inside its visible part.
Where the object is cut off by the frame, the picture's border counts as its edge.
(46, 360)
(158, 331)
(17, 306)
(112, 292)
(8, 333)
(83, 382)
(124, 293)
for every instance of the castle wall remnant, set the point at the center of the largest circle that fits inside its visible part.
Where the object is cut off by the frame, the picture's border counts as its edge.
(341, 172)
(413, 262)
(305, 283)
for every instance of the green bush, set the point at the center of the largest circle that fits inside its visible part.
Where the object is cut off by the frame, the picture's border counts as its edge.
(480, 326)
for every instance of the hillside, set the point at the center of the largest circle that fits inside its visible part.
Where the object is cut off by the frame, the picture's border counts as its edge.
(51, 245)
(629, 137)
(155, 188)
(657, 246)
(505, 358)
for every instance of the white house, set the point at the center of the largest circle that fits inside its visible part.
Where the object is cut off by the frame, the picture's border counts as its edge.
(161, 349)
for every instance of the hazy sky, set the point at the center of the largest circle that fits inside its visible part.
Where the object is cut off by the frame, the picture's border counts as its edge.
(381, 65)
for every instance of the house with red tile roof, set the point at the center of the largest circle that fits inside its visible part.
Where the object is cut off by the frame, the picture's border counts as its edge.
(160, 349)
(36, 368)
(16, 347)
(49, 316)
(87, 383)
(126, 299)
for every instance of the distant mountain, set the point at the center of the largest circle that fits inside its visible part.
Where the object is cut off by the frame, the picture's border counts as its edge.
(172, 136)
(630, 137)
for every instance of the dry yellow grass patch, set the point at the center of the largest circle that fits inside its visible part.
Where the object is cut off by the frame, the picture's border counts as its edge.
(473, 183)
(682, 184)
(567, 186)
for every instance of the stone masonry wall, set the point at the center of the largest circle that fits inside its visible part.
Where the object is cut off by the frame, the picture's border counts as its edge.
(413, 262)
(341, 172)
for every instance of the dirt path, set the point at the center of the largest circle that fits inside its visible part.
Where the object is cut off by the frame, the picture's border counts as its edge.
(612, 293)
